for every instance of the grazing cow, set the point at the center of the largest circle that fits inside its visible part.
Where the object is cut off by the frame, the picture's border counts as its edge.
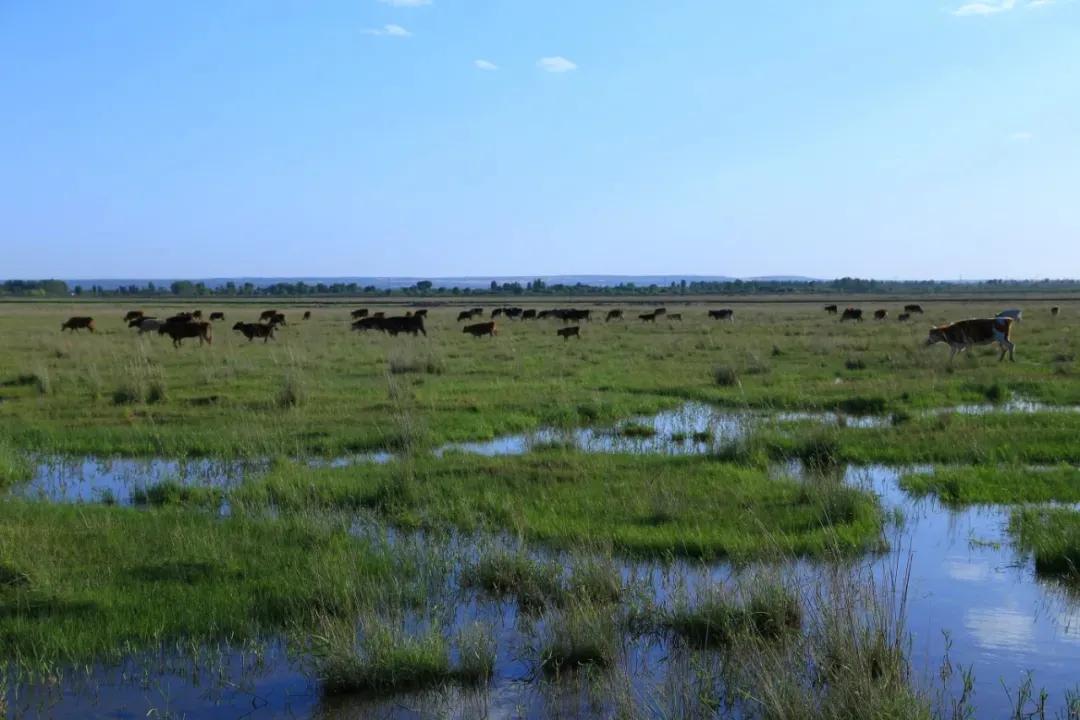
(903, 317)
(180, 330)
(574, 315)
(217, 316)
(367, 323)
(464, 315)
(132, 315)
(361, 313)
(255, 330)
(648, 317)
(723, 314)
(567, 332)
(149, 325)
(1054, 311)
(852, 314)
(962, 335)
(78, 323)
(913, 309)
(660, 311)
(277, 319)
(1013, 313)
(831, 309)
(513, 312)
(881, 314)
(307, 314)
(267, 314)
(614, 315)
(481, 329)
(411, 324)
(528, 314)
(496, 312)
(675, 317)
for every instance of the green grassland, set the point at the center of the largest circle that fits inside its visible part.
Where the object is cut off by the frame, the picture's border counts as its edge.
(322, 390)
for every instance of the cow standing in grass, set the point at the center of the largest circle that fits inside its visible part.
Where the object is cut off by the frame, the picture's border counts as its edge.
(722, 314)
(568, 332)
(78, 323)
(614, 315)
(178, 331)
(255, 330)
(881, 314)
(852, 314)
(832, 309)
(481, 329)
(964, 334)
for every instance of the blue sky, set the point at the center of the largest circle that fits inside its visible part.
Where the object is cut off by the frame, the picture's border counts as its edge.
(893, 139)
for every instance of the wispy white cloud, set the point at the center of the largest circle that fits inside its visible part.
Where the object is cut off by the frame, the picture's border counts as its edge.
(389, 31)
(993, 7)
(485, 65)
(405, 3)
(556, 64)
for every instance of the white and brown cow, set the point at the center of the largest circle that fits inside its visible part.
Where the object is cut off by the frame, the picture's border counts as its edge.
(966, 333)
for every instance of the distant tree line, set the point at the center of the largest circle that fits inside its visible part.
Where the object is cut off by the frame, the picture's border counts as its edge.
(538, 288)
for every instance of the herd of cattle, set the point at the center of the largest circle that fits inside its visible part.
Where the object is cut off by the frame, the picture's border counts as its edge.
(959, 336)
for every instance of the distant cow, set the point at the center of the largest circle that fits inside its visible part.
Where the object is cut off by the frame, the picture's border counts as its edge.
(178, 331)
(674, 317)
(465, 315)
(567, 332)
(255, 330)
(78, 323)
(962, 335)
(132, 315)
(660, 311)
(831, 309)
(481, 329)
(307, 314)
(277, 319)
(614, 315)
(1013, 313)
(496, 312)
(903, 317)
(267, 314)
(647, 317)
(881, 314)
(528, 314)
(574, 315)
(913, 309)
(217, 316)
(723, 314)
(361, 313)
(1054, 311)
(852, 314)
(412, 324)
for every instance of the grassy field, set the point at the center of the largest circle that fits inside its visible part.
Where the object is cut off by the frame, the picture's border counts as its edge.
(79, 583)
(320, 389)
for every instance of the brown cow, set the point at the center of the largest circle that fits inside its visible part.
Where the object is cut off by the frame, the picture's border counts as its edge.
(267, 314)
(852, 314)
(723, 314)
(78, 323)
(881, 314)
(217, 316)
(255, 330)
(411, 324)
(481, 329)
(831, 309)
(567, 332)
(962, 335)
(132, 315)
(277, 319)
(614, 315)
(180, 330)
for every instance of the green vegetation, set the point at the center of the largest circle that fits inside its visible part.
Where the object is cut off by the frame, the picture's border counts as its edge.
(583, 635)
(79, 583)
(718, 616)
(1052, 536)
(14, 466)
(1002, 485)
(647, 505)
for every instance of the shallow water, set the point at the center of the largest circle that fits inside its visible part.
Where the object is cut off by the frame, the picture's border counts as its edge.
(965, 580)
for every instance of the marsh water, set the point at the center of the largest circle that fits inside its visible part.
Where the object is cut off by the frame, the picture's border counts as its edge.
(969, 594)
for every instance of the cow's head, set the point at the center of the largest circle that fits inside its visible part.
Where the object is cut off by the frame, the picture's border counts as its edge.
(937, 335)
